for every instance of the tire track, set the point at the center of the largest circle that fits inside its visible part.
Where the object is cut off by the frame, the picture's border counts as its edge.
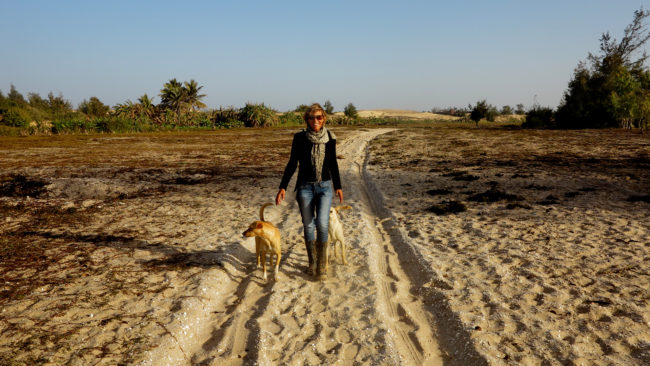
(412, 332)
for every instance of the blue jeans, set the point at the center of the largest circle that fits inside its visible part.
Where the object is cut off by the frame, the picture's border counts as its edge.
(314, 200)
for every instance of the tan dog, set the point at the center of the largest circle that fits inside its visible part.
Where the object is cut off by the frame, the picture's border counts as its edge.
(267, 240)
(335, 234)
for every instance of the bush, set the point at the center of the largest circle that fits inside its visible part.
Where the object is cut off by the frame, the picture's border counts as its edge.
(9, 131)
(258, 115)
(72, 125)
(16, 117)
(226, 118)
(539, 117)
(291, 119)
(114, 124)
(351, 111)
(94, 107)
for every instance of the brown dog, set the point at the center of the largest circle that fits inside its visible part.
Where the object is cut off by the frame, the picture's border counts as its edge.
(267, 240)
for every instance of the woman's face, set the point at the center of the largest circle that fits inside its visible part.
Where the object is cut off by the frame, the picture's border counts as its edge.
(316, 121)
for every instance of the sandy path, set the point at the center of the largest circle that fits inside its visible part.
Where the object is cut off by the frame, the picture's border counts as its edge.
(368, 312)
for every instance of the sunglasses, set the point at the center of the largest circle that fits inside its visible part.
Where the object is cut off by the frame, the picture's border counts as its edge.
(319, 117)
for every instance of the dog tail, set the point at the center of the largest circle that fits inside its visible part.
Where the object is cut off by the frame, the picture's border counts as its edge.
(346, 207)
(262, 210)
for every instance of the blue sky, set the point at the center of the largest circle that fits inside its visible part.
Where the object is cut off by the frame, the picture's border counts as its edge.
(376, 54)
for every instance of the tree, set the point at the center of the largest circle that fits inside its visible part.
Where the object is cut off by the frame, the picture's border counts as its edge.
(625, 97)
(520, 109)
(94, 107)
(38, 102)
(58, 105)
(146, 107)
(479, 111)
(350, 111)
(192, 96)
(491, 113)
(506, 110)
(172, 97)
(607, 92)
(301, 108)
(126, 110)
(329, 109)
(181, 97)
(15, 96)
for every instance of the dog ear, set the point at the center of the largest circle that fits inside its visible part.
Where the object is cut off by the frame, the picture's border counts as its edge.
(259, 225)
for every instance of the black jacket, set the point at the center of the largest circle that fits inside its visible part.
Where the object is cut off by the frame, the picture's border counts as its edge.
(301, 157)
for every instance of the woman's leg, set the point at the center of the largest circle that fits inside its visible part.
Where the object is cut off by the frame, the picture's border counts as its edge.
(305, 198)
(323, 203)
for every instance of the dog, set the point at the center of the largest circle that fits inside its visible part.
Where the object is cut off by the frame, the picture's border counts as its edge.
(267, 240)
(335, 235)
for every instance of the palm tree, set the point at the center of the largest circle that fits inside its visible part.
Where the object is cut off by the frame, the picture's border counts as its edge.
(192, 96)
(172, 97)
(146, 106)
(126, 109)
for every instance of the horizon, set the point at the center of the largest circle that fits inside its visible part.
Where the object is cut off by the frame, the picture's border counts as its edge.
(377, 55)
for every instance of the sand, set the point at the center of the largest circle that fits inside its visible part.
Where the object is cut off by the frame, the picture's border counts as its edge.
(135, 253)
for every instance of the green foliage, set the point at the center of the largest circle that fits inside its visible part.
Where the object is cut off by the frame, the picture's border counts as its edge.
(15, 96)
(226, 118)
(36, 101)
(291, 119)
(73, 124)
(539, 117)
(301, 108)
(58, 105)
(506, 110)
(479, 111)
(16, 117)
(612, 90)
(258, 115)
(350, 111)
(328, 107)
(94, 107)
(491, 113)
(181, 97)
(114, 124)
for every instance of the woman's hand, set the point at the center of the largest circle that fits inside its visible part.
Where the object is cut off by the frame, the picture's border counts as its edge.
(339, 193)
(280, 197)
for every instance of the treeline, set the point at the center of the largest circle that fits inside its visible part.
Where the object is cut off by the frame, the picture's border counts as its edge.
(485, 110)
(611, 89)
(181, 107)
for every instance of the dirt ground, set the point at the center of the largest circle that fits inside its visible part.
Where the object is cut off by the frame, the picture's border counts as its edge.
(466, 246)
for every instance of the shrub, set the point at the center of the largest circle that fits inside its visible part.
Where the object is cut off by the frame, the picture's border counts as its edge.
(94, 107)
(258, 115)
(226, 118)
(350, 111)
(73, 124)
(539, 117)
(291, 119)
(114, 124)
(16, 117)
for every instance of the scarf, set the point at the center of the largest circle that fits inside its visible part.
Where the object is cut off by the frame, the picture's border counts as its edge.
(318, 141)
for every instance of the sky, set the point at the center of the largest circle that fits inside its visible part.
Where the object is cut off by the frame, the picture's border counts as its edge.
(415, 55)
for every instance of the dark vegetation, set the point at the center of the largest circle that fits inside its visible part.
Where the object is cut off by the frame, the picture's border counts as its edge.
(611, 89)
(517, 169)
(180, 108)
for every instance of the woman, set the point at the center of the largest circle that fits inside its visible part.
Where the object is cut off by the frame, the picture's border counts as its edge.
(314, 152)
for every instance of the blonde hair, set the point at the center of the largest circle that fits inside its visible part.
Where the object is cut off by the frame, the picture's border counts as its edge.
(312, 109)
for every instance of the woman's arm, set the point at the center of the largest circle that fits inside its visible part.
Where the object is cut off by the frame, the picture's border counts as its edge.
(288, 171)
